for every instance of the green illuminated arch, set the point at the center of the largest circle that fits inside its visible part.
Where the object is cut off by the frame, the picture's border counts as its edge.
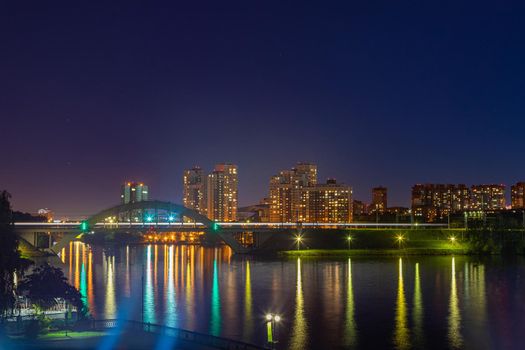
(149, 205)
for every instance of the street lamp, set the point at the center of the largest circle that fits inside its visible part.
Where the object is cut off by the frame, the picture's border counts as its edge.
(271, 327)
(349, 240)
(399, 239)
(452, 239)
(298, 239)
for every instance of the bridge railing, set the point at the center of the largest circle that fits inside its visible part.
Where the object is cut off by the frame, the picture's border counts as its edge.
(178, 333)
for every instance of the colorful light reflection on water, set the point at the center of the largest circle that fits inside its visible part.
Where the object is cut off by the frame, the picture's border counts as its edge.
(431, 302)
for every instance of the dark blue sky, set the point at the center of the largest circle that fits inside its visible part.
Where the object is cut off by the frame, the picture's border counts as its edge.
(374, 92)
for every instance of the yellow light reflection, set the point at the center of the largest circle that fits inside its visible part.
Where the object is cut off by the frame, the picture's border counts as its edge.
(454, 316)
(70, 261)
(300, 327)
(189, 288)
(77, 266)
(402, 333)
(63, 255)
(350, 325)
(248, 311)
(418, 310)
(90, 291)
(110, 307)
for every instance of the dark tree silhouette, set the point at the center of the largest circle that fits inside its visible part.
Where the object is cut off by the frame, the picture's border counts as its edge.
(46, 284)
(10, 260)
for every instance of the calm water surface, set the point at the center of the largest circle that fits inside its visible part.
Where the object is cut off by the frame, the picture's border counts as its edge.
(424, 302)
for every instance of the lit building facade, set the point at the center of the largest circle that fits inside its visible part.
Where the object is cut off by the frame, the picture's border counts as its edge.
(296, 196)
(379, 200)
(221, 193)
(435, 201)
(194, 190)
(132, 192)
(324, 203)
(285, 192)
(517, 196)
(487, 197)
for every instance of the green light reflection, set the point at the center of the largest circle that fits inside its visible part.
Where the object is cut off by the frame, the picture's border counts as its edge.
(215, 301)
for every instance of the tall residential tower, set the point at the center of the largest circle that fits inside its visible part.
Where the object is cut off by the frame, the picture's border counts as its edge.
(194, 190)
(132, 192)
(222, 193)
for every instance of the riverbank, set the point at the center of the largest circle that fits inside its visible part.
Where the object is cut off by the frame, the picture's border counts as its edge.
(345, 253)
(101, 339)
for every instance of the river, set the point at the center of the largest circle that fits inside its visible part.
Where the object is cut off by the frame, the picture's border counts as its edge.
(403, 303)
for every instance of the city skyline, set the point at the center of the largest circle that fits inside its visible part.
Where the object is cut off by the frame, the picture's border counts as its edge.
(353, 88)
(510, 193)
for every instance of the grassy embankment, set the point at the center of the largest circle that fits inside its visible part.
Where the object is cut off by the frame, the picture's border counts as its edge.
(380, 242)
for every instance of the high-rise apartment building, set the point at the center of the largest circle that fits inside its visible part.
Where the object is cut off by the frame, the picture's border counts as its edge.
(487, 197)
(379, 200)
(295, 196)
(194, 190)
(285, 194)
(222, 193)
(435, 201)
(517, 196)
(132, 192)
(281, 197)
(326, 203)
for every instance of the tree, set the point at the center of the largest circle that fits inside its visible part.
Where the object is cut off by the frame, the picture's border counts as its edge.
(10, 260)
(46, 284)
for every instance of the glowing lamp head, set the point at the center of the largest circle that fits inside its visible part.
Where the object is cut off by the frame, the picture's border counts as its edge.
(298, 238)
(349, 238)
(452, 239)
(277, 318)
(149, 218)
(400, 238)
(170, 218)
(269, 317)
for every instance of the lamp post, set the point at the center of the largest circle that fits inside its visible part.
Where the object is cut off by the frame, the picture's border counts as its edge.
(399, 239)
(349, 240)
(298, 239)
(271, 328)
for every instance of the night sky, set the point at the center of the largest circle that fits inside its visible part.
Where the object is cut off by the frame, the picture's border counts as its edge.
(375, 92)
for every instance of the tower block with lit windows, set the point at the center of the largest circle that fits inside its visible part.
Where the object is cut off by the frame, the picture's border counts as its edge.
(194, 190)
(133, 192)
(222, 193)
(296, 196)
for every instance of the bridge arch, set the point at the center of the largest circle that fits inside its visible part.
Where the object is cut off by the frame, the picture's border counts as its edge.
(126, 211)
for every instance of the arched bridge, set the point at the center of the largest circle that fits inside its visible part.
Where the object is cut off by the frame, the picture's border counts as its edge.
(134, 217)
(148, 213)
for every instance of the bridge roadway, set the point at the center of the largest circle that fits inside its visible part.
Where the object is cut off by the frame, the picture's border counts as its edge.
(228, 226)
(227, 231)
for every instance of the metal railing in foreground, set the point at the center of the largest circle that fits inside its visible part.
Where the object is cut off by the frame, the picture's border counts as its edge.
(177, 333)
